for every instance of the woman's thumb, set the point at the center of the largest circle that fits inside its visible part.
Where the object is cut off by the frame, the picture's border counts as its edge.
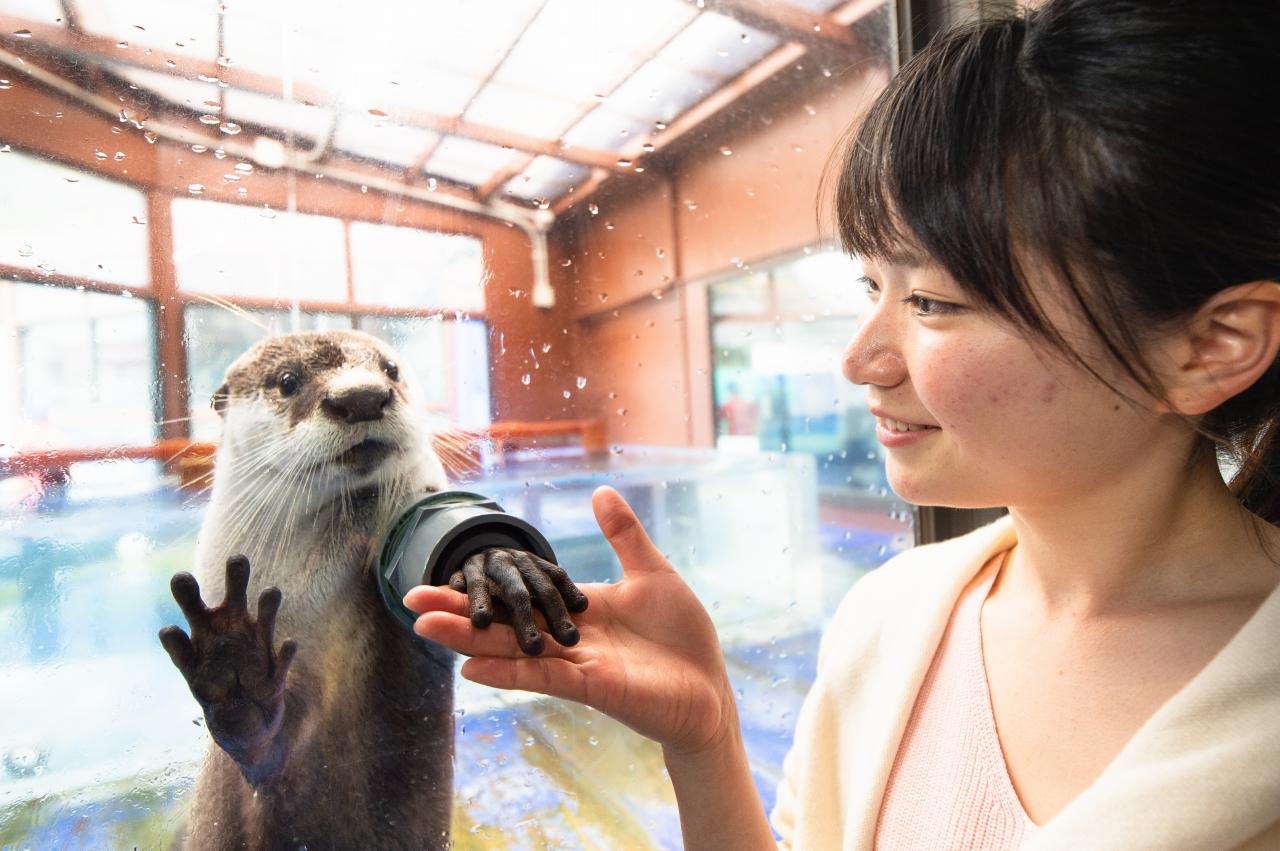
(624, 533)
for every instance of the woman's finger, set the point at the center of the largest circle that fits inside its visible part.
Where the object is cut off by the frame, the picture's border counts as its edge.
(548, 675)
(628, 538)
(436, 598)
(456, 632)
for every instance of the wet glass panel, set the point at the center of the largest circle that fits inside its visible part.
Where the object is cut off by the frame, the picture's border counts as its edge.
(233, 249)
(85, 226)
(683, 347)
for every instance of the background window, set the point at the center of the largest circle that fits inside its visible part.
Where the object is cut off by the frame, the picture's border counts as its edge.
(83, 226)
(85, 368)
(411, 268)
(234, 250)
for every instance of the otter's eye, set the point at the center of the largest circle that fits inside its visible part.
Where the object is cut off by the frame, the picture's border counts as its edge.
(392, 371)
(289, 383)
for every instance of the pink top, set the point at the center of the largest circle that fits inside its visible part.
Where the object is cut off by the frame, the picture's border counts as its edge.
(949, 787)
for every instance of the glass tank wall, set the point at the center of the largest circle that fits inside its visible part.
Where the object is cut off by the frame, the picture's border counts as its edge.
(595, 231)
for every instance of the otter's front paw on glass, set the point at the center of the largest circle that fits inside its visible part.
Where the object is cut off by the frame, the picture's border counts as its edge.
(230, 661)
(511, 584)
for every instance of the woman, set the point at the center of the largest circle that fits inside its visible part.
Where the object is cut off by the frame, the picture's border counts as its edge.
(1070, 224)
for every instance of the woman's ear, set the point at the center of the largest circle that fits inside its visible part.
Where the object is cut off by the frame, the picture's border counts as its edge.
(1229, 343)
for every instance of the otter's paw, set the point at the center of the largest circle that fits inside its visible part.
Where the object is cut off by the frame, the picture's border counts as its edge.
(515, 583)
(230, 661)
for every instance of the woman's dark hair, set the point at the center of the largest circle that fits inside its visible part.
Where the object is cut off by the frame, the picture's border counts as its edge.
(1127, 147)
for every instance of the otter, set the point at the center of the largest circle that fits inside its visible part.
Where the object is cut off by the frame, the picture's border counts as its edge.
(342, 736)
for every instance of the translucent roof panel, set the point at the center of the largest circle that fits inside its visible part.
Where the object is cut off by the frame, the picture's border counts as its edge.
(545, 178)
(584, 48)
(608, 130)
(185, 27)
(468, 162)
(718, 47)
(524, 111)
(191, 94)
(288, 117)
(381, 139)
(36, 11)
(426, 90)
(438, 52)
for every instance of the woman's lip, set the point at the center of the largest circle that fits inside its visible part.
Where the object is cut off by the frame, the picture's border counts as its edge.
(891, 438)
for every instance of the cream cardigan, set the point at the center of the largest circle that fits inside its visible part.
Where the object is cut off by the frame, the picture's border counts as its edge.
(1202, 773)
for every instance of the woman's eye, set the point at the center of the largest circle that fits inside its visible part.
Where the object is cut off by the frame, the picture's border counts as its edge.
(925, 306)
(392, 370)
(289, 383)
(869, 286)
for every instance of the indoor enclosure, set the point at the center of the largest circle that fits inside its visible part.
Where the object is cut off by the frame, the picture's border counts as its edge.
(597, 230)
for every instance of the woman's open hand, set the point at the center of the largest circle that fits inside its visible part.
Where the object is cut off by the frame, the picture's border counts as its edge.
(648, 654)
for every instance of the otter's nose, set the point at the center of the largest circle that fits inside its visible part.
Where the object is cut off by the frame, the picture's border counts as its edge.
(357, 405)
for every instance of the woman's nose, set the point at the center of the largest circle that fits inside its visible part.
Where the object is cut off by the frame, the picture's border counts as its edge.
(872, 357)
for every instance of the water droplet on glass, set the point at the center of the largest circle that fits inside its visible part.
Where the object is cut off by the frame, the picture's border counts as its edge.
(566, 394)
(727, 151)
(661, 252)
(796, 149)
(6, 84)
(150, 137)
(244, 168)
(593, 741)
(622, 412)
(746, 39)
(100, 155)
(546, 347)
(210, 119)
(22, 33)
(119, 157)
(648, 147)
(195, 188)
(525, 379)
(25, 251)
(604, 297)
(593, 209)
(691, 205)
(229, 127)
(198, 149)
(582, 382)
(616, 449)
(566, 262)
(624, 163)
(608, 225)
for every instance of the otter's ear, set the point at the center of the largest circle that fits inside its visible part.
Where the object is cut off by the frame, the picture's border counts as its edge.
(220, 398)
(1229, 344)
